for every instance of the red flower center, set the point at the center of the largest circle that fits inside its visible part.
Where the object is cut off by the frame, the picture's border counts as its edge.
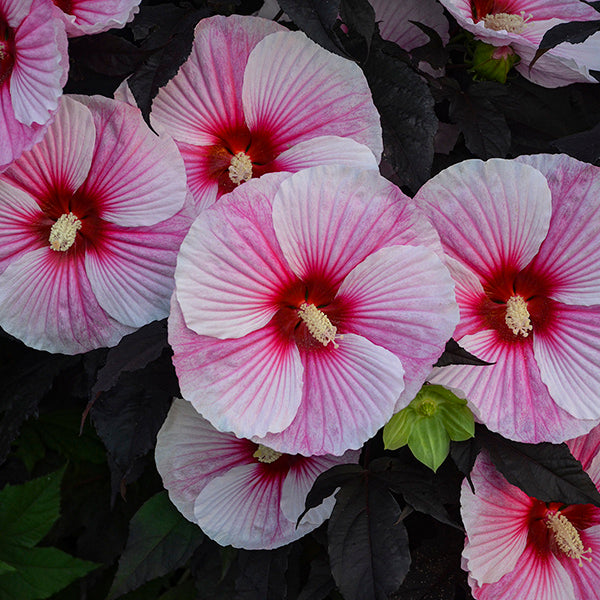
(482, 8)
(65, 5)
(7, 50)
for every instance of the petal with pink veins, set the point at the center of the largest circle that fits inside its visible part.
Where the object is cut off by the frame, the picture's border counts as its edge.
(198, 162)
(585, 578)
(296, 90)
(87, 17)
(349, 393)
(586, 449)
(251, 385)
(568, 355)
(14, 11)
(138, 178)
(230, 268)
(489, 214)
(402, 298)
(203, 100)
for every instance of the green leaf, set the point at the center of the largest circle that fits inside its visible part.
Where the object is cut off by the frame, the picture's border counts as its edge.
(398, 429)
(5, 568)
(28, 511)
(429, 442)
(39, 572)
(160, 540)
(458, 421)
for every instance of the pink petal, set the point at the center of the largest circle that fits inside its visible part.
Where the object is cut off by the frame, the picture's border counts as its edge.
(93, 16)
(496, 522)
(204, 99)
(14, 11)
(402, 298)
(190, 452)
(197, 162)
(41, 65)
(585, 449)
(488, 214)
(349, 393)
(132, 273)
(296, 90)
(47, 302)
(585, 578)
(139, 178)
(568, 355)
(62, 159)
(509, 396)
(359, 212)
(570, 254)
(230, 268)
(249, 385)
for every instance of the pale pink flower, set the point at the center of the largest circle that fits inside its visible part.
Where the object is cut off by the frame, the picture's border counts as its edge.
(33, 71)
(240, 493)
(523, 242)
(518, 547)
(522, 24)
(254, 98)
(88, 229)
(308, 308)
(85, 17)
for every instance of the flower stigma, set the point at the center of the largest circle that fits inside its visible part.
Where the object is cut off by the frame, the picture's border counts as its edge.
(240, 168)
(567, 537)
(318, 324)
(267, 455)
(504, 21)
(64, 232)
(517, 316)
(427, 407)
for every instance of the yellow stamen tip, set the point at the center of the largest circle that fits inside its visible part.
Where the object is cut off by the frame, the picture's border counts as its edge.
(240, 168)
(517, 317)
(318, 324)
(267, 455)
(64, 232)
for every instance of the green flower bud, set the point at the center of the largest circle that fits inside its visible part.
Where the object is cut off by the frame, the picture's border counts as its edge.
(493, 62)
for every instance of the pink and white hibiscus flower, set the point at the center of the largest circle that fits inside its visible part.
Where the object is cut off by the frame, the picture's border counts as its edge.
(85, 17)
(521, 24)
(33, 71)
(88, 229)
(240, 493)
(523, 242)
(254, 98)
(520, 547)
(309, 307)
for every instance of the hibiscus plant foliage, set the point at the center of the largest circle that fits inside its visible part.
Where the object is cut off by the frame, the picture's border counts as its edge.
(83, 507)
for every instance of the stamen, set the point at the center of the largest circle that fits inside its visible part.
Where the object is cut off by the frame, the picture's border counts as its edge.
(509, 23)
(567, 537)
(267, 455)
(517, 316)
(240, 169)
(64, 232)
(319, 325)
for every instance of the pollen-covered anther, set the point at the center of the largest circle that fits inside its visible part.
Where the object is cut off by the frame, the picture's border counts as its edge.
(567, 537)
(517, 316)
(318, 324)
(240, 168)
(64, 232)
(264, 454)
(504, 21)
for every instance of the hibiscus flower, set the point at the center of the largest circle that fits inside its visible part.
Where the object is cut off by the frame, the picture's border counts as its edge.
(89, 229)
(33, 71)
(255, 98)
(85, 17)
(307, 308)
(520, 547)
(523, 243)
(240, 493)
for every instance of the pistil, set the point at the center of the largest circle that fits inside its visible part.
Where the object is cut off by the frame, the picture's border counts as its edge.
(64, 232)
(318, 324)
(567, 537)
(267, 455)
(240, 168)
(517, 316)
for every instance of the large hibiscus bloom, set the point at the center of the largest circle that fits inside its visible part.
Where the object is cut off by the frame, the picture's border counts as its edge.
(308, 308)
(240, 493)
(85, 17)
(523, 241)
(88, 229)
(255, 98)
(33, 71)
(520, 547)
(521, 24)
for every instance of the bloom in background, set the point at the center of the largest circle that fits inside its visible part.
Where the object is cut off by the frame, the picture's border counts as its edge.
(88, 229)
(33, 71)
(308, 308)
(520, 547)
(255, 98)
(85, 17)
(521, 24)
(240, 493)
(523, 241)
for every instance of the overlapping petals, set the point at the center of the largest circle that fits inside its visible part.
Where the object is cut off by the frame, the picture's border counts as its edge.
(342, 243)
(217, 481)
(92, 220)
(253, 89)
(522, 242)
